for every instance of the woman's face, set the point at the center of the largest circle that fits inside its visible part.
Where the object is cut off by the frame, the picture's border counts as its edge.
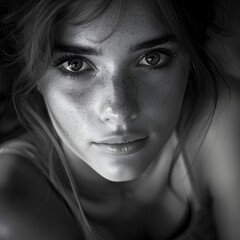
(114, 95)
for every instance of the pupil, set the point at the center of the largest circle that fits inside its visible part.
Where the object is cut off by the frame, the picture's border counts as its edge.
(153, 58)
(75, 64)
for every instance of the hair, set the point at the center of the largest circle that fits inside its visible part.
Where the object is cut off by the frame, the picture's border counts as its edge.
(31, 34)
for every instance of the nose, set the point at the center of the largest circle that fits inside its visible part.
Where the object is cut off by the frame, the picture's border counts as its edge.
(118, 114)
(120, 103)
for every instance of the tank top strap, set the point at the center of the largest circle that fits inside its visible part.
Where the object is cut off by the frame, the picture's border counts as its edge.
(189, 180)
(24, 148)
(201, 224)
(190, 185)
(19, 147)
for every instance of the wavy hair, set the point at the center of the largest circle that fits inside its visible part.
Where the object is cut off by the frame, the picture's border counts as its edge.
(31, 33)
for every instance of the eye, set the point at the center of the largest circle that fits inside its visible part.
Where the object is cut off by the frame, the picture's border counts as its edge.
(155, 58)
(76, 65)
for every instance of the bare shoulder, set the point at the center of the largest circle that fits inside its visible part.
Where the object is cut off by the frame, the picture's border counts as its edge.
(29, 207)
(218, 167)
(221, 147)
(219, 143)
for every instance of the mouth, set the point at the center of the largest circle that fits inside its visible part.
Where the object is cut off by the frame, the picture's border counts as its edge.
(121, 147)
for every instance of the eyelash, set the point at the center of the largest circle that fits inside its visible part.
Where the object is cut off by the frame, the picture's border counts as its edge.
(68, 57)
(162, 51)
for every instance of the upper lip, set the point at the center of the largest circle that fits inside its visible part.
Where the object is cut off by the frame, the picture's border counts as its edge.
(121, 139)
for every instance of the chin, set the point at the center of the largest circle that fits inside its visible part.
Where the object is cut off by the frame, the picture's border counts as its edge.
(121, 178)
(121, 175)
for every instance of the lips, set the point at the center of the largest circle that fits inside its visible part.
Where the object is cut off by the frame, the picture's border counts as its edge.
(122, 145)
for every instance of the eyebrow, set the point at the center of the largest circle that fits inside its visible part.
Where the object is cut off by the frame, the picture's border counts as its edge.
(155, 42)
(84, 50)
(80, 50)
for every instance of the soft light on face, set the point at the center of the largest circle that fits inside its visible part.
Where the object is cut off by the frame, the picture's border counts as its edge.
(115, 101)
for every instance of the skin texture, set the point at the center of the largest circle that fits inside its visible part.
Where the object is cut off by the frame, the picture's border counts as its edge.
(117, 95)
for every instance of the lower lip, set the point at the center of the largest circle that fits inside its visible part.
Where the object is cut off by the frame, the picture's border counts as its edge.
(123, 149)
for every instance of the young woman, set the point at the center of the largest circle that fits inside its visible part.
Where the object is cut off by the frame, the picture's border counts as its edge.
(121, 102)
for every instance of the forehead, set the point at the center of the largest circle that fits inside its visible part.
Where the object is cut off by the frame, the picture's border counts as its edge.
(134, 23)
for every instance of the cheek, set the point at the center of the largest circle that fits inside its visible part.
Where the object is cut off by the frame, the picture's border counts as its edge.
(163, 94)
(68, 106)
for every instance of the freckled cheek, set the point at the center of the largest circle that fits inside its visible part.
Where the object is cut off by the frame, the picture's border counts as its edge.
(69, 109)
(161, 96)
